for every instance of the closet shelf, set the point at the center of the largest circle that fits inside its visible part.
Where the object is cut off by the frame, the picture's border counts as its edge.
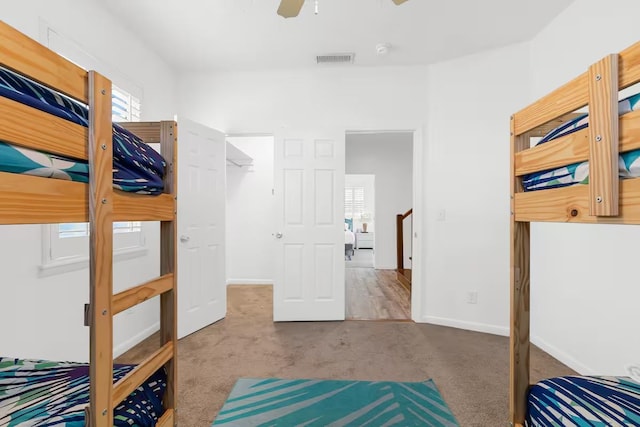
(237, 157)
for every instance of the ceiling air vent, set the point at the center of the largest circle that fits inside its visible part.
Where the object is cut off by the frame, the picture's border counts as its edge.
(336, 58)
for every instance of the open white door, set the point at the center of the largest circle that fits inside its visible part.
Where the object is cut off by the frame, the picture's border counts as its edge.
(309, 191)
(202, 291)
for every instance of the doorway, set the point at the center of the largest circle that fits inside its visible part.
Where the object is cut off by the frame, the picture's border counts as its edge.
(378, 188)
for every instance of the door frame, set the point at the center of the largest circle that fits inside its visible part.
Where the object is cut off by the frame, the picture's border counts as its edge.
(418, 237)
(419, 176)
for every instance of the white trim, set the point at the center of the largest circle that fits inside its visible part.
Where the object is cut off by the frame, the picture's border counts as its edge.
(417, 259)
(470, 326)
(562, 356)
(82, 262)
(249, 281)
(135, 340)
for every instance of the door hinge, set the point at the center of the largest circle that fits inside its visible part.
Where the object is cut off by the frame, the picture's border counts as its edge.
(87, 315)
(273, 192)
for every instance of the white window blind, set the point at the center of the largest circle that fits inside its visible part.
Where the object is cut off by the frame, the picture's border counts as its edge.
(353, 202)
(125, 107)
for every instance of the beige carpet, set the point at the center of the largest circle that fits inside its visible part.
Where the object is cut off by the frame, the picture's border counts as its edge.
(470, 369)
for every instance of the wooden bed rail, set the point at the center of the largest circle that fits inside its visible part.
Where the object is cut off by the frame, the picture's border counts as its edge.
(575, 94)
(26, 56)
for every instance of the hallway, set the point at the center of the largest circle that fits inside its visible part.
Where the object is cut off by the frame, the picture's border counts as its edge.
(374, 294)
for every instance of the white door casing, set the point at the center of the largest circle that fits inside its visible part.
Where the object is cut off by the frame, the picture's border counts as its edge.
(309, 192)
(202, 298)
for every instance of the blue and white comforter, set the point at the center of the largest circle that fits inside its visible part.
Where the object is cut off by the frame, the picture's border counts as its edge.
(584, 401)
(38, 393)
(136, 166)
(578, 173)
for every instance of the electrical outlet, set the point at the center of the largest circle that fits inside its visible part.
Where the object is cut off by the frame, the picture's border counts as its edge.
(472, 297)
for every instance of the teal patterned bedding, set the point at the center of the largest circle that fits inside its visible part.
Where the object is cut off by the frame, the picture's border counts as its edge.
(37, 393)
(584, 401)
(578, 173)
(136, 166)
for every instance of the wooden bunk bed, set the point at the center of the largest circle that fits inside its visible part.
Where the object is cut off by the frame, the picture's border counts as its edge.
(26, 199)
(606, 199)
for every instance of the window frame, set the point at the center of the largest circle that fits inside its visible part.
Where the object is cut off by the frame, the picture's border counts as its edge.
(64, 254)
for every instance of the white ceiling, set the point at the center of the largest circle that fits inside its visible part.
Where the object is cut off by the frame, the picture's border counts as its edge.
(247, 34)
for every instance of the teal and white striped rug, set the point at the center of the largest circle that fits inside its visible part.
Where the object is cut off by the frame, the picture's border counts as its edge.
(320, 403)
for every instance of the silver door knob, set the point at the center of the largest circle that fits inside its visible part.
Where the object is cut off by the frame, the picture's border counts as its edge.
(185, 239)
(278, 235)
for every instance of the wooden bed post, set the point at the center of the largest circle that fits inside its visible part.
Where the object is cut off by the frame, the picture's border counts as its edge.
(519, 341)
(101, 250)
(168, 264)
(603, 137)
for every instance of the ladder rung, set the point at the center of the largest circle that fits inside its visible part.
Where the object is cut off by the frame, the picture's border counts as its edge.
(139, 294)
(127, 384)
(166, 420)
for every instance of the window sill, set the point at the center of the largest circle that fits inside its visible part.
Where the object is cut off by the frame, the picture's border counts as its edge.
(81, 263)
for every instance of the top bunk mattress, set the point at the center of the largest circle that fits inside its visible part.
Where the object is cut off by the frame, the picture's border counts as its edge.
(578, 173)
(584, 401)
(136, 166)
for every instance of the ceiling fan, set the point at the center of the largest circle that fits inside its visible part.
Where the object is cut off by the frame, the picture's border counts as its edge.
(291, 8)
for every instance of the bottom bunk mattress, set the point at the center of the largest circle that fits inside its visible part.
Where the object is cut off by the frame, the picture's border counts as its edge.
(43, 393)
(584, 401)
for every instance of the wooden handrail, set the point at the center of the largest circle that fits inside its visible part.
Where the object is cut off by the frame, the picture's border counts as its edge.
(400, 237)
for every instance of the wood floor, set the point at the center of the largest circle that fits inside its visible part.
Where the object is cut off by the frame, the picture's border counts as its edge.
(376, 295)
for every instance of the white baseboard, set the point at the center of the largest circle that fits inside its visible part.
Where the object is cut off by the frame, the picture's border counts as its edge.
(135, 340)
(470, 326)
(249, 281)
(562, 356)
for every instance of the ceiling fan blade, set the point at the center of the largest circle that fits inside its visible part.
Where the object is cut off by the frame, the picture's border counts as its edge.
(290, 8)
(399, 2)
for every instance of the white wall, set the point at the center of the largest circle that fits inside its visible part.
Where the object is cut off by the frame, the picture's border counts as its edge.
(347, 98)
(389, 156)
(46, 314)
(355, 98)
(467, 194)
(250, 213)
(584, 289)
(463, 108)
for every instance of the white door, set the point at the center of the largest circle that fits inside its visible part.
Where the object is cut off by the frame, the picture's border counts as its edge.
(202, 291)
(309, 192)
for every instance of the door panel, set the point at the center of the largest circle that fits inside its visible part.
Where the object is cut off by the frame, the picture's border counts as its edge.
(309, 187)
(201, 209)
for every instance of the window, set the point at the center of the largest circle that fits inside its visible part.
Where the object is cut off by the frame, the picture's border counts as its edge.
(125, 107)
(65, 246)
(353, 202)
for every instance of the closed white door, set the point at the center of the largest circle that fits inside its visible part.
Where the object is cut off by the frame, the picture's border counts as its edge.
(309, 187)
(202, 291)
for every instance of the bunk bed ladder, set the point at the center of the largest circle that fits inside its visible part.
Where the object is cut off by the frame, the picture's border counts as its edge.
(101, 251)
(104, 305)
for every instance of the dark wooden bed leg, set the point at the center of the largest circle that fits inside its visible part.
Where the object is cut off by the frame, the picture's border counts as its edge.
(168, 264)
(519, 340)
